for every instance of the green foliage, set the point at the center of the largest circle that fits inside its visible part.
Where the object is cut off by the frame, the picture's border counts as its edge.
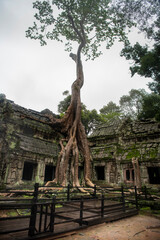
(111, 107)
(110, 111)
(150, 107)
(137, 104)
(146, 61)
(132, 153)
(89, 21)
(64, 104)
(131, 104)
(12, 213)
(92, 22)
(142, 12)
(110, 116)
(90, 118)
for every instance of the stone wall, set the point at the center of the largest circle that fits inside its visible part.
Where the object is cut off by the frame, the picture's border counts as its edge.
(116, 143)
(29, 148)
(25, 141)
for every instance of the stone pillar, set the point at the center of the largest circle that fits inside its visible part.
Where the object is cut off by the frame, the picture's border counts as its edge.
(144, 175)
(108, 172)
(39, 178)
(137, 174)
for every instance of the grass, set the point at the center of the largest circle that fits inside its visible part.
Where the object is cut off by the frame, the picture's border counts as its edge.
(149, 212)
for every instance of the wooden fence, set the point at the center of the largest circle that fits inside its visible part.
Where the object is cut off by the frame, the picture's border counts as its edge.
(62, 209)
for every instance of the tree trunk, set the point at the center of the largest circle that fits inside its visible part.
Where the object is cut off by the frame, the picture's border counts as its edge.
(75, 141)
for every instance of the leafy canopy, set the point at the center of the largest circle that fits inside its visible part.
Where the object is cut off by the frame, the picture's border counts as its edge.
(111, 107)
(131, 104)
(146, 63)
(64, 104)
(150, 107)
(110, 111)
(89, 21)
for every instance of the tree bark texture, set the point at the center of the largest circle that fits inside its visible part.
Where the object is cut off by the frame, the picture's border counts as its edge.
(75, 140)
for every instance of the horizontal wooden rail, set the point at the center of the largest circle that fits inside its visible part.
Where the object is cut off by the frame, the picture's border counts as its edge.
(14, 230)
(12, 218)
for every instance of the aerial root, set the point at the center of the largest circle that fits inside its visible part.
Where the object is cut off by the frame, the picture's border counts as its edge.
(89, 182)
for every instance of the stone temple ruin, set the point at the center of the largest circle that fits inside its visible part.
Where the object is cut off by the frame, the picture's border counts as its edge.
(29, 149)
(116, 145)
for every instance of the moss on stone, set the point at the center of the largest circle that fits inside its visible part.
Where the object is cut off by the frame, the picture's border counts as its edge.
(12, 145)
(153, 153)
(120, 150)
(96, 151)
(10, 129)
(133, 153)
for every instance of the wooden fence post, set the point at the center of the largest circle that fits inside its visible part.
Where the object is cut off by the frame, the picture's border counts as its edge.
(33, 211)
(136, 197)
(102, 205)
(52, 217)
(68, 192)
(123, 198)
(81, 211)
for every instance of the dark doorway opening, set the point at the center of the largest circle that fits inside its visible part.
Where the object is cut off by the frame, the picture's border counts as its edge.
(29, 171)
(49, 173)
(154, 175)
(100, 172)
(129, 175)
(132, 174)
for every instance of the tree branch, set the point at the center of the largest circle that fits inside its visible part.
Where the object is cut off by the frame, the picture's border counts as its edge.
(82, 30)
(74, 27)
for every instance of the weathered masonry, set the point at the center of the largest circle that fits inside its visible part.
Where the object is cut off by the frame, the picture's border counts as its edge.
(29, 149)
(114, 145)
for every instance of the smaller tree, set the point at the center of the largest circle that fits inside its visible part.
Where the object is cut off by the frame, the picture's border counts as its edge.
(64, 104)
(131, 104)
(110, 111)
(111, 107)
(90, 118)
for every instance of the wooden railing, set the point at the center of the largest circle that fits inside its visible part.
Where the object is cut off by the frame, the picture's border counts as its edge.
(79, 208)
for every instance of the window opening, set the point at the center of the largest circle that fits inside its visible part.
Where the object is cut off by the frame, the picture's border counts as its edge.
(49, 173)
(129, 175)
(100, 172)
(29, 171)
(154, 175)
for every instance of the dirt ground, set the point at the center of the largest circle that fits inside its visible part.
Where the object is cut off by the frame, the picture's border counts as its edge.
(139, 227)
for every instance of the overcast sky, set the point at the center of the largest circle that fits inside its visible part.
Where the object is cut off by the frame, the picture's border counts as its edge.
(35, 77)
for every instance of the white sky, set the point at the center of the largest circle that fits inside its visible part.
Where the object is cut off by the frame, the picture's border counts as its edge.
(35, 77)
